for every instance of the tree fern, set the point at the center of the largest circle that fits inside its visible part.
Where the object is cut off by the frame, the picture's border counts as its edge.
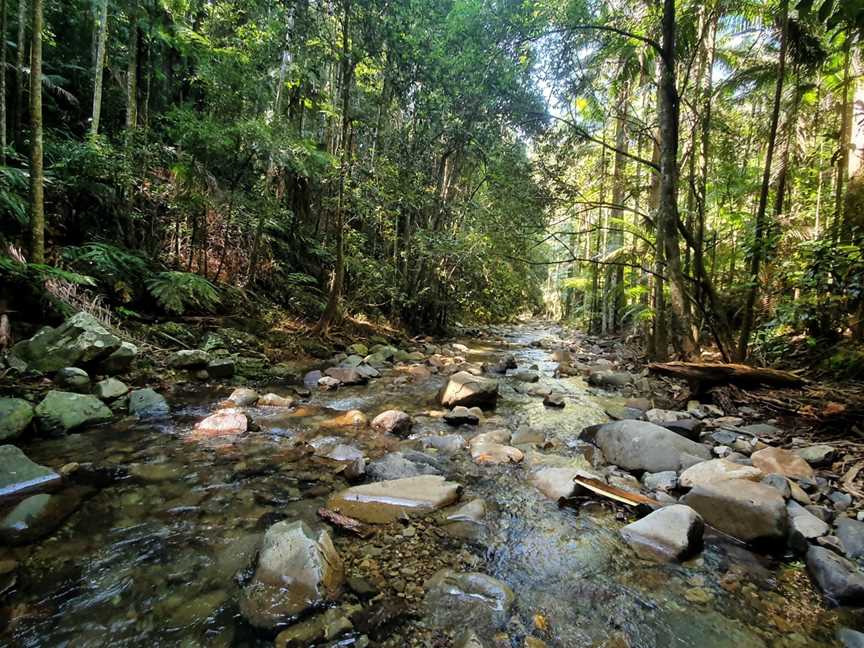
(177, 292)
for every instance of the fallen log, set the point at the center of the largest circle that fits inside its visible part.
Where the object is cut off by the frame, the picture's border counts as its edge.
(344, 522)
(617, 494)
(701, 375)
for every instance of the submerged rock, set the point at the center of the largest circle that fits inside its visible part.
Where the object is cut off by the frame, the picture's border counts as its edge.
(386, 501)
(747, 510)
(783, 462)
(16, 415)
(670, 533)
(466, 389)
(297, 569)
(64, 411)
(274, 400)
(147, 403)
(467, 600)
(396, 465)
(837, 577)
(350, 419)
(640, 445)
(491, 448)
(18, 474)
(37, 516)
(715, 470)
(81, 339)
(393, 422)
(554, 400)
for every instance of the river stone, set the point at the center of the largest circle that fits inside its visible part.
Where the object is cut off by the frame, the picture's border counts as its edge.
(81, 339)
(554, 399)
(221, 368)
(850, 638)
(225, 422)
(661, 416)
(358, 348)
(396, 465)
(467, 600)
(326, 383)
(714, 470)
(461, 415)
(640, 445)
(851, 534)
(37, 516)
(73, 379)
(817, 455)
(119, 360)
(491, 448)
(467, 521)
(668, 534)
(783, 462)
(311, 378)
(526, 375)
(147, 403)
(18, 474)
(274, 400)
(352, 361)
(297, 569)
(346, 375)
(837, 577)
(393, 422)
(747, 510)
(350, 419)
(556, 482)
(386, 501)
(804, 527)
(466, 389)
(446, 443)
(15, 417)
(189, 359)
(64, 411)
(351, 457)
(779, 483)
(606, 378)
(367, 371)
(664, 481)
(110, 388)
(243, 397)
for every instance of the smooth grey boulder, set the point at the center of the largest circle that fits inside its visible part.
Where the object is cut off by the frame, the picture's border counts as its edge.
(18, 474)
(15, 417)
(837, 577)
(467, 600)
(396, 465)
(526, 375)
(747, 510)
(73, 379)
(668, 534)
(607, 378)
(120, 360)
(640, 445)
(189, 359)
(64, 411)
(461, 415)
(851, 534)
(347, 375)
(393, 422)
(147, 403)
(298, 569)
(661, 481)
(804, 527)
(469, 390)
(110, 388)
(80, 340)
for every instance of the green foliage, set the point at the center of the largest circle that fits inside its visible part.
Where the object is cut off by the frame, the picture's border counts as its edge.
(178, 292)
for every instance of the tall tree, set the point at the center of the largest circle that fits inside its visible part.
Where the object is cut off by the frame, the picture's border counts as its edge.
(3, 130)
(99, 66)
(37, 189)
(132, 73)
(19, 74)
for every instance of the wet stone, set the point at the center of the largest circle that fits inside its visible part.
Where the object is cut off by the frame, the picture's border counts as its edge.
(396, 465)
(15, 417)
(37, 516)
(243, 397)
(461, 415)
(393, 422)
(73, 379)
(837, 577)
(851, 534)
(744, 509)
(221, 368)
(466, 389)
(147, 403)
(189, 359)
(61, 412)
(110, 389)
(668, 534)
(386, 501)
(458, 600)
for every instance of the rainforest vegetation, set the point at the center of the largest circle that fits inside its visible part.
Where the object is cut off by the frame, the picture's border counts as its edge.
(686, 171)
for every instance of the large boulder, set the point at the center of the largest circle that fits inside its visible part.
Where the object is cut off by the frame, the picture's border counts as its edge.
(64, 411)
(15, 417)
(189, 359)
(670, 533)
(393, 422)
(639, 445)
(73, 379)
(469, 390)
(298, 568)
(468, 600)
(347, 375)
(18, 474)
(119, 360)
(782, 462)
(386, 501)
(747, 510)
(851, 534)
(838, 578)
(147, 403)
(80, 340)
(708, 472)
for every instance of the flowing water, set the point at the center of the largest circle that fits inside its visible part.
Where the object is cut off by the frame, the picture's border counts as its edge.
(150, 560)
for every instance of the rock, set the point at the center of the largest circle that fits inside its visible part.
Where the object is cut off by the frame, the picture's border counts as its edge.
(347, 375)
(556, 482)
(851, 534)
(120, 360)
(838, 578)
(221, 368)
(73, 379)
(358, 348)
(350, 419)
(505, 363)
(639, 445)
(661, 416)
(850, 638)
(461, 415)
(311, 379)
(446, 443)
(761, 430)
(804, 527)
(327, 383)
(467, 600)
(396, 465)
(274, 400)
(64, 411)
(668, 534)
(147, 403)
(664, 481)
(554, 400)
(352, 361)
(704, 410)
(689, 427)
(189, 359)
(225, 422)
(816, 455)
(15, 417)
(37, 516)
(386, 501)
(18, 474)
(526, 375)
(466, 389)
(351, 457)
(779, 483)
(393, 422)
(80, 340)
(842, 501)
(243, 397)
(110, 388)
(528, 436)
(467, 521)
(298, 569)
(744, 509)
(606, 378)
(490, 448)
(714, 470)
(783, 462)
(367, 372)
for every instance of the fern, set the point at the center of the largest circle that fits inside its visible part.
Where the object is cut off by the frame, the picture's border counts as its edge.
(109, 261)
(37, 272)
(176, 292)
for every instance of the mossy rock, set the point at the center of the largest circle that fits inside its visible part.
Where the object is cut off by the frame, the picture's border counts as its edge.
(846, 363)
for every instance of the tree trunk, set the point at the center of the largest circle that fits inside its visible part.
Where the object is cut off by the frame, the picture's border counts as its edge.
(3, 137)
(132, 76)
(37, 195)
(760, 222)
(331, 311)
(853, 204)
(844, 138)
(19, 75)
(667, 214)
(99, 66)
(614, 280)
